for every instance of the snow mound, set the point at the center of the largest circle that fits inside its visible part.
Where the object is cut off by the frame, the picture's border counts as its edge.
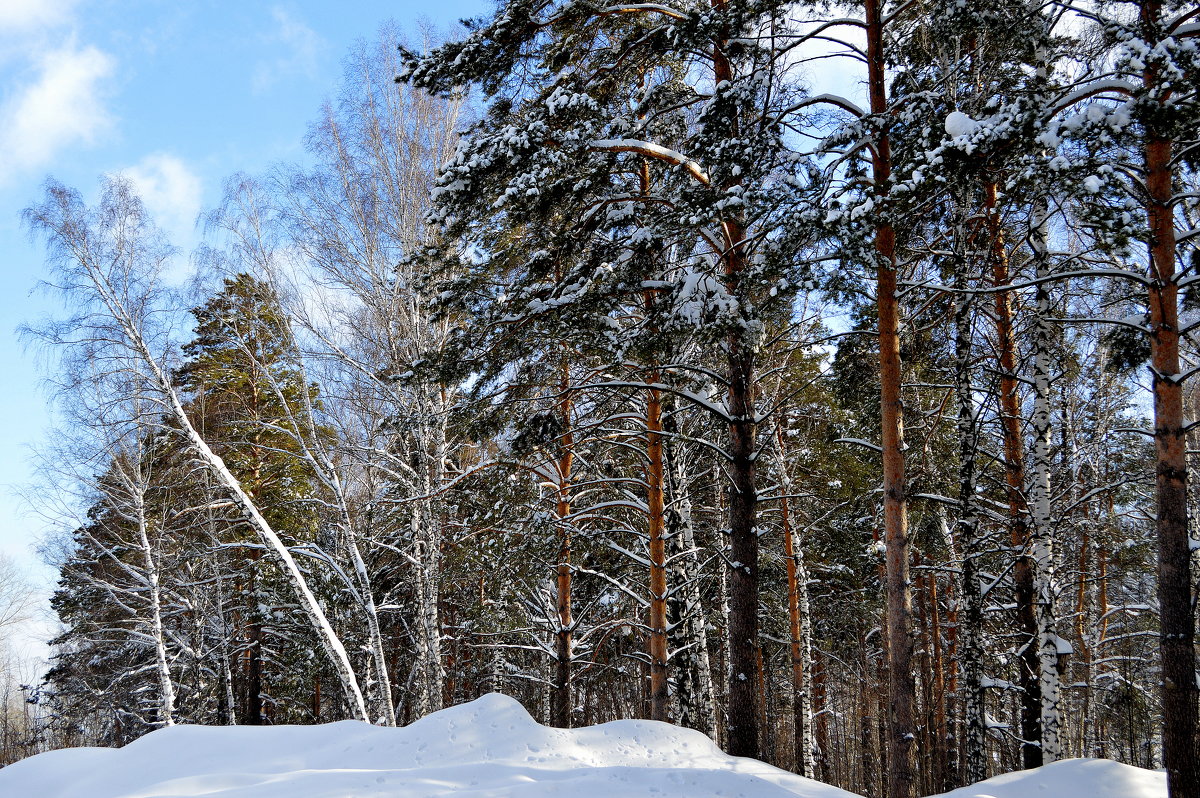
(1071, 778)
(959, 124)
(489, 747)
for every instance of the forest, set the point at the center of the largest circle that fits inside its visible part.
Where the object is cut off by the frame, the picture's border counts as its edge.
(814, 375)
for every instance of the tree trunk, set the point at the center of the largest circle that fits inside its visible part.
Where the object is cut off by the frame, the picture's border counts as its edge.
(970, 663)
(1177, 623)
(659, 694)
(941, 732)
(798, 620)
(560, 710)
(743, 729)
(924, 656)
(1039, 494)
(428, 634)
(1014, 474)
(901, 738)
(166, 687)
(383, 682)
(704, 713)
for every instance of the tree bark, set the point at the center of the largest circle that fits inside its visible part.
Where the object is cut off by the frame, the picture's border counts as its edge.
(798, 620)
(660, 700)
(1176, 619)
(743, 728)
(901, 738)
(560, 710)
(970, 661)
(166, 698)
(1039, 493)
(1014, 474)
(703, 715)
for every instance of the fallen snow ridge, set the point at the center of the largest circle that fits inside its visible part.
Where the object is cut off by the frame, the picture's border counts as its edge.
(490, 747)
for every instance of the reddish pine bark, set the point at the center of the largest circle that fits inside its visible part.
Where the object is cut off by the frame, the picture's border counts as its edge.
(1176, 620)
(659, 695)
(901, 732)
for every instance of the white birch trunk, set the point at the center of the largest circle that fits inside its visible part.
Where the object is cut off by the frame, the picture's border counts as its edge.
(810, 740)
(1039, 501)
(723, 608)
(383, 682)
(430, 647)
(430, 447)
(316, 615)
(166, 707)
(974, 742)
(325, 469)
(693, 610)
(224, 633)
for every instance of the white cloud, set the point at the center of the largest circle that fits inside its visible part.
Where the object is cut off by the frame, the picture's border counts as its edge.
(62, 107)
(22, 16)
(302, 48)
(172, 194)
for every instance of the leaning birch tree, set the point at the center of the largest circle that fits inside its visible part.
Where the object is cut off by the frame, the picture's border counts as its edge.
(107, 261)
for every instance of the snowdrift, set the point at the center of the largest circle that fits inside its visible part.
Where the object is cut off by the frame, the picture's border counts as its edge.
(1072, 778)
(490, 747)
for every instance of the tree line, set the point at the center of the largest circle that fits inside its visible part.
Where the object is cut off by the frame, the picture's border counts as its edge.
(615, 357)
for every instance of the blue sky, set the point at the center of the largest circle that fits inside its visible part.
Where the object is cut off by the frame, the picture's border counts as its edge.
(178, 95)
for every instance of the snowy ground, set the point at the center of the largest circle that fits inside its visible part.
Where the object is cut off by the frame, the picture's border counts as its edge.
(490, 747)
(1073, 778)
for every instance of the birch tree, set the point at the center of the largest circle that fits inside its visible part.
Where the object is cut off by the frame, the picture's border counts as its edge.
(108, 262)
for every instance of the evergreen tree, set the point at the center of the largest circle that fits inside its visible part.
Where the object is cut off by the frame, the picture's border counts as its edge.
(245, 400)
(576, 91)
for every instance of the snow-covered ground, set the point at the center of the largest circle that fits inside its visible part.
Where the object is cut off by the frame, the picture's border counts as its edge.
(1073, 778)
(490, 747)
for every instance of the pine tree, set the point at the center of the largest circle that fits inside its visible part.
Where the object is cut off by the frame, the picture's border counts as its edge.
(239, 371)
(542, 166)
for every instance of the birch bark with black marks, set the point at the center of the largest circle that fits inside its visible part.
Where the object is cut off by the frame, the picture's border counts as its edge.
(1040, 511)
(970, 632)
(702, 709)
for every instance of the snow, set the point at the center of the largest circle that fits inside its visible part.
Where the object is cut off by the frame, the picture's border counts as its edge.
(1071, 778)
(652, 150)
(959, 124)
(489, 747)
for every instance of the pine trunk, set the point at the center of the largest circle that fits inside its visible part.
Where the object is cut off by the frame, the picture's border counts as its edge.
(901, 736)
(659, 694)
(743, 729)
(561, 700)
(1176, 619)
